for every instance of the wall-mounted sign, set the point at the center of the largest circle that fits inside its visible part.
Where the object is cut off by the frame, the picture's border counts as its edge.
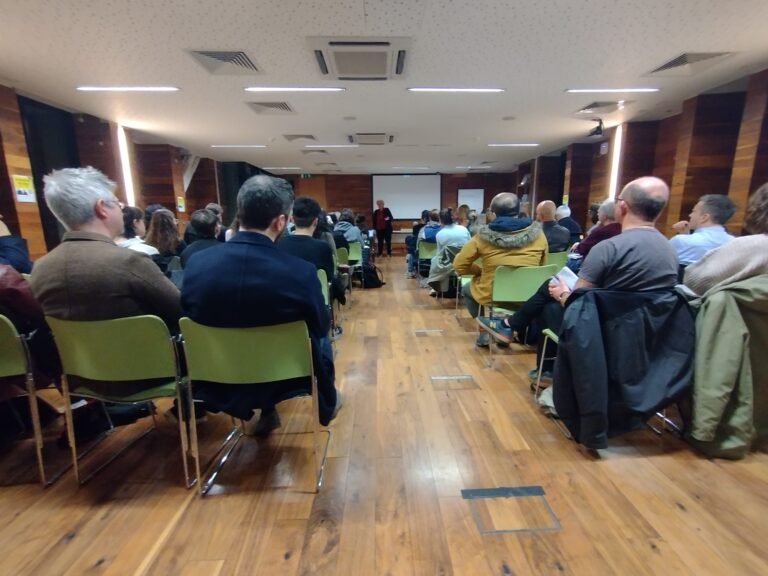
(181, 205)
(25, 188)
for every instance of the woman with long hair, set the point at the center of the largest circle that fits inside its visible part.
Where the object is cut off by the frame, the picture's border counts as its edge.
(164, 236)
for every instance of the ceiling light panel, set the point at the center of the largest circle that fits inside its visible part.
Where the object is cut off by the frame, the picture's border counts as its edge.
(294, 89)
(127, 89)
(459, 90)
(609, 90)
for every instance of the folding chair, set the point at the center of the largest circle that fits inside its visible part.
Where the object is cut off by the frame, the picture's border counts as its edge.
(356, 255)
(424, 251)
(122, 350)
(255, 355)
(342, 258)
(325, 286)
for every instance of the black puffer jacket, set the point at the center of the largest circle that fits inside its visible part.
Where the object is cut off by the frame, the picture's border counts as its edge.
(622, 356)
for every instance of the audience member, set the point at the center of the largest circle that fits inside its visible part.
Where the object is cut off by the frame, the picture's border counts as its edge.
(607, 227)
(507, 240)
(593, 216)
(13, 250)
(306, 214)
(450, 234)
(87, 276)
(204, 225)
(462, 216)
(270, 287)
(164, 236)
(450, 239)
(382, 223)
(148, 211)
(738, 259)
(233, 229)
(705, 228)
(134, 231)
(410, 244)
(429, 231)
(324, 232)
(558, 237)
(346, 226)
(563, 215)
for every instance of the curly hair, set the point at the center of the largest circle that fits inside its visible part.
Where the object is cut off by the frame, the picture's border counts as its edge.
(162, 232)
(756, 218)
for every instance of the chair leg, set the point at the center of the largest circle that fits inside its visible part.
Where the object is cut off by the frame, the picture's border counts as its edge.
(541, 366)
(183, 439)
(70, 425)
(195, 447)
(36, 427)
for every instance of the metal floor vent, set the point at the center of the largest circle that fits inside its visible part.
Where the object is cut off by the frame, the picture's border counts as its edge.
(689, 63)
(271, 108)
(225, 63)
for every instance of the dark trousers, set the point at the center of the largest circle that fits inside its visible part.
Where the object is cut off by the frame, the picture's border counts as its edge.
(383, 236)
(539, 312)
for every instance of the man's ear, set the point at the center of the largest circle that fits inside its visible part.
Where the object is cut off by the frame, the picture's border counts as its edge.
(100, 209)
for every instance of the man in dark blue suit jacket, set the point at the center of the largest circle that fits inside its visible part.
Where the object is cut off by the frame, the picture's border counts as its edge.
(248, 282)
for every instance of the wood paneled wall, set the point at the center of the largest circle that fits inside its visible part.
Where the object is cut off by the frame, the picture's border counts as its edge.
(354, 191)
(601, 169)
(202, 190)
(97, 146)
(750, 164)
(578, 176)
(159, 178)
(548, 183)
(638, 151)
(22, 218)
(707, 139)
(666, 148)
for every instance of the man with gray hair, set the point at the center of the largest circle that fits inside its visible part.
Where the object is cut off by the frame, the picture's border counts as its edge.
(249, 282)
(563, 216)
(89, 277)
(705, 228)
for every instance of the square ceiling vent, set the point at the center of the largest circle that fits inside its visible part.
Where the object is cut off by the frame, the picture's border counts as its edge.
(371, 138)
(225, 62)
(360, 58)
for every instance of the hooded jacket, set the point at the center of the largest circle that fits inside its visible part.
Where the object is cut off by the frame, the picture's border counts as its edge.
(351, 232)
(507, 241)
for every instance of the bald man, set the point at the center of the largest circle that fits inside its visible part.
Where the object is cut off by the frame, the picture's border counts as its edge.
(558, 237)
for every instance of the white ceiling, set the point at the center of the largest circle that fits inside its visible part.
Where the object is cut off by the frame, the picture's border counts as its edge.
(534, 49)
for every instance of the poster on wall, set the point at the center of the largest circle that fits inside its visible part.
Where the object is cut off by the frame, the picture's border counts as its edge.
(25, 189)
(181, 205)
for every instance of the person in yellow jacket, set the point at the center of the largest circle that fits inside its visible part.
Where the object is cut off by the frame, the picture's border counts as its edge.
(508, 240)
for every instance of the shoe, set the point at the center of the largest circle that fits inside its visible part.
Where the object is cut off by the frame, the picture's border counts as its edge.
(201, 415)
(497, 326)
(338, 331)
(546, 378)
(268, 421)
(411, 275)
(483, 340)
(433, 293)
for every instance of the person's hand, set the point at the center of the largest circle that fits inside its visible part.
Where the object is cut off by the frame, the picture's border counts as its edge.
(4, 228)
(557, 287)
(682, 227)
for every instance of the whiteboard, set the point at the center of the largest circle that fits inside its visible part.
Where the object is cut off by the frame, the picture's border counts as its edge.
(407, 195)
(472, 197)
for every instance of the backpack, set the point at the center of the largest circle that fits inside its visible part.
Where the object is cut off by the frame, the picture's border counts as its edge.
(372, 277)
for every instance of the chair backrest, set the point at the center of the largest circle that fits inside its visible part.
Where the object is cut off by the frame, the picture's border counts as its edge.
(323, 278)
(247, 355)
(342, 255)
(135, 348)
(13, 357)
(355, 251)
(426, 249)
(557, 259)
(518, 284)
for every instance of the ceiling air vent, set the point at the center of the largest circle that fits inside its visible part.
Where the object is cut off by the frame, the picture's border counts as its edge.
(225, 63)
(326, 164)
(370, 138)
(271, 108)
(604, 107)
(689, 63)
(314, 151)
(359, 58)
(294, 137)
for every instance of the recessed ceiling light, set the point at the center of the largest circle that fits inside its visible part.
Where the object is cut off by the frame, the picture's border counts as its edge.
(292, 89)
(127, 89)
(410, 167)
(331, 146)
(238, 146)
(608, 90)
(477, 90)
(281, 168)
(513, 145)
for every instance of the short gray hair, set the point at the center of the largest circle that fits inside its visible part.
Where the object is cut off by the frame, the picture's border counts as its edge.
(719, 207)
(607, 209)
(562, 211)
(71, 194)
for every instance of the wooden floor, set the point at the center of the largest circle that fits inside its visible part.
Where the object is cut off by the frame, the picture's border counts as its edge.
(404, 447)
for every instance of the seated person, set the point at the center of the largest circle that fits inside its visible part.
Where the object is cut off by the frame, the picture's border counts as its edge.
(410, 244)
(738, 259)
(429, 231)
(507, 240)
(563, 216)
(450, 239)
(558, 237)
(134, 231)
(164, 236)
(13, 250)
(205, 229)
(705, 228)
(346, 226)
(228, 287)
(607, 227)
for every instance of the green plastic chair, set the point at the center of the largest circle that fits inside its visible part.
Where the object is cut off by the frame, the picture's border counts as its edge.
(557, 259)
(121, 350)
(342, 256)
(426, 250)
(15, 360)
(324, 286)
(254, 355)
(356, 256)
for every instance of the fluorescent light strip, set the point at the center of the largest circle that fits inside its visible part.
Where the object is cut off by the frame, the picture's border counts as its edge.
(473, 90)
(127, 89)
(513, 145)
(292, 89)
(238, 146)
(615, 160)
(609, 90)
(409, 168)
(331, 146)
(125, 163)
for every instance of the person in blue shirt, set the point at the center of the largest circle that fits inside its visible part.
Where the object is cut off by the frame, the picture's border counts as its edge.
(705, 228)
